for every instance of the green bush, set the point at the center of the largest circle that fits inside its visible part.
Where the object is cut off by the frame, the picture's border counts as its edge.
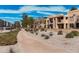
(42, 29)
(11, 50)
(60, 33)
(26, 29)
(50, 34)
(42, 35)
(46, 37)
(36, 33)
(75, 33)
(9, 38)
(32, 32)
(69, 35)
(45, 30)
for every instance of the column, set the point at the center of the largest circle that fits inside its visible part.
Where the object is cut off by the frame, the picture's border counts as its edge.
(68, 26)
(56, 24)
(46, 23)
(4, 28)
(75, 25)
(65, 26)
(53, 23)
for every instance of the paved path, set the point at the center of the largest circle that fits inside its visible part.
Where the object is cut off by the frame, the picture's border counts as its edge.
(31, 43)
(28, 44)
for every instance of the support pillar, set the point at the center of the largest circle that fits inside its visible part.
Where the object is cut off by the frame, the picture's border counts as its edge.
(46, 23)
(65, 26)
(68, 26)
(4, 28)
(75, 25)
(56, 24)
(53, 23)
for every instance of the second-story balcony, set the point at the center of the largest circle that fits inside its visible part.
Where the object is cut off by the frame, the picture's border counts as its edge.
(60, 19)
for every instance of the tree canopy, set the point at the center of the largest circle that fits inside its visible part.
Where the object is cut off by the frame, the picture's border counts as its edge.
(17, 24)
(27, 20)
(73, 8)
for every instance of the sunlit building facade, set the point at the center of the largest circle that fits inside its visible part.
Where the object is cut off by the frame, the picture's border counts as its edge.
(69, 21)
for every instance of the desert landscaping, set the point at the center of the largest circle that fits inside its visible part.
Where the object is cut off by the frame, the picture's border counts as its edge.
(42, 42)
(41, 33)
(58, 43)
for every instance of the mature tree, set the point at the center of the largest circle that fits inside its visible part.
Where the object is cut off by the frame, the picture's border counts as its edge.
(1, 23)
(27, 21)
(17, 24)
(31, 21)
(73, 8)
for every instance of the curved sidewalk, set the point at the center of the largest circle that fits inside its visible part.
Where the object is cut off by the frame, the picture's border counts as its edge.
(28, 44)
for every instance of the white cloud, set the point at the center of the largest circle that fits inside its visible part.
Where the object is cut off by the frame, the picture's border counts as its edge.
(11, 19)
(32, 8)
(47, 13)
(9, 11)
(18, 18)
(50, 8)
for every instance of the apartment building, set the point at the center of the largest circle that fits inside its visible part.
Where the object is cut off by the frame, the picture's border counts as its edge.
(74, 18)
(57, 22)
(39, 24)
(69, 21)
(4, 25)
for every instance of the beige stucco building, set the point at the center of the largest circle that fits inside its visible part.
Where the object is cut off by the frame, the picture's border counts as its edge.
(39, 24)
(69, 21)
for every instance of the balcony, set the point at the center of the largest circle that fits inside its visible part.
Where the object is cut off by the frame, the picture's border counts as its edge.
(60, 21)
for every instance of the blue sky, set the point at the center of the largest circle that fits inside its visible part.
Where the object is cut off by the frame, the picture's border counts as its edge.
(13, 13)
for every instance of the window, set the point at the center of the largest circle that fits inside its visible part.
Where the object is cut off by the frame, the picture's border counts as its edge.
(51, 26)
(71, 18)
(51, 20)
(77, 19)
(59, 20)
(66, 17)
(71, 25)
(74, 14)
(61, 17)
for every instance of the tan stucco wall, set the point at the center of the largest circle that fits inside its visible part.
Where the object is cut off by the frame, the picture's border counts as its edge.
(64, 21)
(70, 13)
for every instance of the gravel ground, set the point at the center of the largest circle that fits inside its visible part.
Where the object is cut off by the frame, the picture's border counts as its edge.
(28, 42)
(69, 45)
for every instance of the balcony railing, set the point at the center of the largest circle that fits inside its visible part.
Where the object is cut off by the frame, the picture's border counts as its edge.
(62, 21)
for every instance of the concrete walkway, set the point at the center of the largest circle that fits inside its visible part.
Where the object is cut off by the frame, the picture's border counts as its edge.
(27, 43)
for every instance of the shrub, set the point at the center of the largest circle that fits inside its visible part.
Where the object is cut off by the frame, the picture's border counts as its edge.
(66, 43)
(45, 30)
(11, 50)
(8, 38)
(42, 35)
(46, 37)
(75, 33)
(42, 29)
(31, 32)
(27, 30)
(50, 34)
(35, 30)
(36, 33)
(60, 33)
(69, 35)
